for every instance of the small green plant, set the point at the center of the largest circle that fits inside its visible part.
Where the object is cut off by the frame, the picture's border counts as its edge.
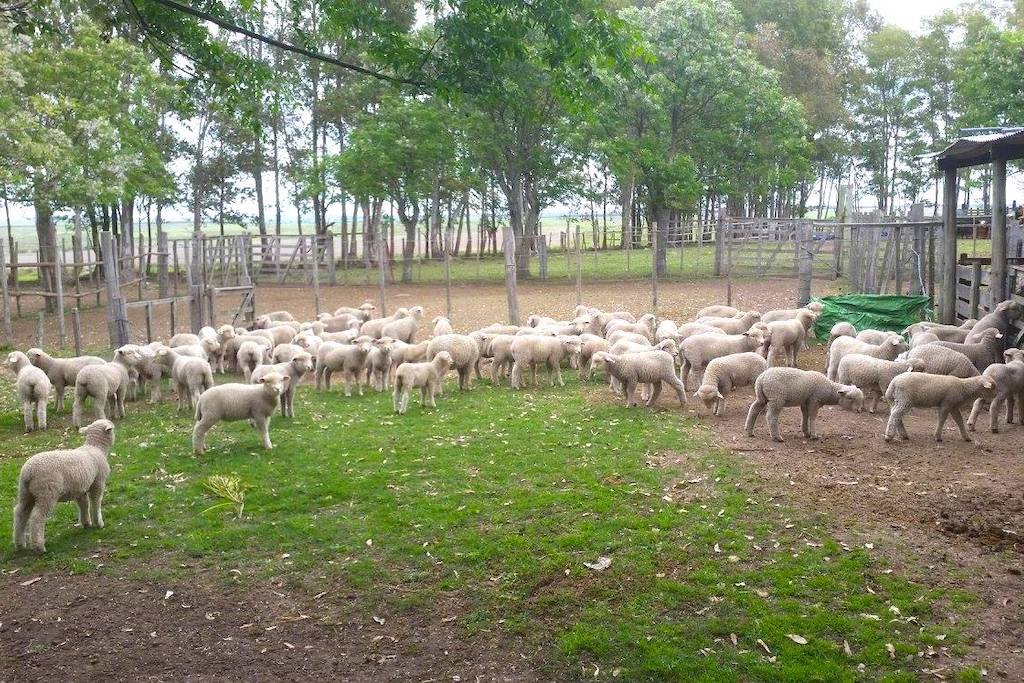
(230, 488)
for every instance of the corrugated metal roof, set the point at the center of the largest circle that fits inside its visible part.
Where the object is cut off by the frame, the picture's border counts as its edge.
(977, 149)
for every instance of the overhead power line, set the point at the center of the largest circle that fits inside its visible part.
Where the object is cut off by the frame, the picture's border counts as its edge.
(312, 54)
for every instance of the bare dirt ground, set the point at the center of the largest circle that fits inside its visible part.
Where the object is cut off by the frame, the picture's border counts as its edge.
(950, 515)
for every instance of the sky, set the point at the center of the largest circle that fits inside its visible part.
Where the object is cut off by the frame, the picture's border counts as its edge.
(909, 13)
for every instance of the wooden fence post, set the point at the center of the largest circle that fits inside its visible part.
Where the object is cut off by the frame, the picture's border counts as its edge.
(511, 293)
(720, 239)
(5, 299)
(195, 282)
(316, 274)
(39, 330)
(448, 272)
(579, 268)
(58, 279)
(149, 322)
(117, 315)
(975, 288)
(383, 275)
(947, 309)
(76, 329)
(655, 230)
(724, 229)
(805, 263)
(332, 267)
(163, 277)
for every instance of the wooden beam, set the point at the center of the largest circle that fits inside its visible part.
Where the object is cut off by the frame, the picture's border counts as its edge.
(947, 310)
(997, 290)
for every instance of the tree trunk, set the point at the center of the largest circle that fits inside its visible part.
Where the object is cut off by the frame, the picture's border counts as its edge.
(46, 233)
(257, 177)
(627, 211)
(662, 216)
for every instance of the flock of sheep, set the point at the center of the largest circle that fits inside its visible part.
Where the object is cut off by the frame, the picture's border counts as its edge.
(942, 366)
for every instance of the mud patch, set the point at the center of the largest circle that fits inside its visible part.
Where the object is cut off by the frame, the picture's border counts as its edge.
(987, 517)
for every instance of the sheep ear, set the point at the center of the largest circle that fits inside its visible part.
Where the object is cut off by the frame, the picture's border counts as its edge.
(83, 430)
(718, 395)
(261, 381)
(999, 335)
(109, 428)
(987, 383)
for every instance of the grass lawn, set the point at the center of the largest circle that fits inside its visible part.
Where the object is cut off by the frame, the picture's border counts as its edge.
(494, 501)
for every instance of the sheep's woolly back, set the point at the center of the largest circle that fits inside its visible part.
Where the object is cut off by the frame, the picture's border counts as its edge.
(923, 390)
(1001, 319)
(794, 387)
(70, 470)
(62, 370)
(232, 401)
(734, 370)
(939, 360)
(462, 348)
(717, 312)
(640, 367)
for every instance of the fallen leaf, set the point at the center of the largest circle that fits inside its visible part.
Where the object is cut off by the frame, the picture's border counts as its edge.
(168, 594)
(799, 640)
(846, 649)
(379, 620)
(31, 581)
(764, 645)
(600, 565)
(891, 650)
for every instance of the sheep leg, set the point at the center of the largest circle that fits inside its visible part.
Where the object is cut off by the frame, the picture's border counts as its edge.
(533, 371)
(719, 406)
(630, 389)
(958, 418)
(26, 411)
(58, 395)
(756, 408)
(517, 375)
(346, 378)
(121, 395)
(655, 393)
(96, 503)
(199, 434)
(895, 425)
(76, 411)
(154, 396)
(773, 422)
(994, 409)
(41, 413)
(943, 414)
(679, 388)
(684, 371)
(812, 418)
(263, 427)
(804, 420)
(465, 376)
(22, 512)
(327, 378)
(83, 511)
(557, 370)
(37, 523)
(975, 410)
(874, 402)
(495, 376)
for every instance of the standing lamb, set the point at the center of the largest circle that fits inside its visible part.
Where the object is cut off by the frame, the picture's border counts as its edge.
(233, 402)
(464, 353)
(364, 312)
(642, 367)
(33, 390)
(404, 329)
(1001, 319)
(378, 364)
(986, 349)
(892, 347)
(189, 376)
(726, 373)
(791, 313)
(938, 360)
(841, 329)
(789, 335)
(718, 312)
(701, 349)
(733, 325)
(1009, 379)
(922, 390)
(106, 384)
(373, 327)
(873, 375)
(427, 376)
(78, 474)
(407, 353)
(779, 388)
(348, 359)
(441, 325)
(61, 372)
(294, 370)
(250, 355)
(529, 352)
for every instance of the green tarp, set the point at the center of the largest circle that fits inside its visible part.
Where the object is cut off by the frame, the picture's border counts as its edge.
(870, 311)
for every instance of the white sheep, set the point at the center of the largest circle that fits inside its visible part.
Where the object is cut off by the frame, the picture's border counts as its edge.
(645, 325)
(106, 385)
(60, 371)
(364, 311)
(404, 329)
(33, 389)
(697, 351)
(923, 390)
(922, 338)
(667, 329)
(789, 335)
(779, 388)
(876, 337)
(733, 325)
(407, 353)
(499, 348)
(1009, 379)
(183, 339)
(348, 359)
(841, 346)
(530, 352)
(372, 328)
(725, 374)
(591, 344)
(294, 369)
(78, 474)
(940, 332)
(441, 325)
(378, 364)
(1001, 318)
(537, 320)
(148, 370)
(222, 334)
(189, 376)
(233, 402)
(842, 329)
(688, 330)
(231, 346)
(280, 334)
(428, 376)
(339, 323)
(250, 355)
(986, 349)
(345, 337)
(618, 335)
(262, 320)
(873, 375)
(791, 313)
(938, 360)
(718, 311)
(643, 367)
(464, 353)
(283, 353)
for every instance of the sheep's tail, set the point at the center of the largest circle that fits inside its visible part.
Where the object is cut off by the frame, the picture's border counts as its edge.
(199, 411)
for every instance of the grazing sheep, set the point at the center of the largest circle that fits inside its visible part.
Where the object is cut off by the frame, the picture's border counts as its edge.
(923, 390)
(529, 352)
(938, 360)
(340, 323)
(404, 329)
(106, 384)
(733, 325)
(60, 371)
(33, 389)
(922, 338)
(464, 353)
(718, 312)
(983, 352)
(148, 370)
(873, 375)
(279, 334)
(499, 349)
(348, 359)
(693, 329)
(378, 364)
(441, 325)
(1001, 319)
(789, 335)
(697, 351)
(233, 402)
(78, 474)
(189, 376)
(779, 388)
(407, 353)
(591, 344)
(644, 326)
(294, 369)
(364, 312)
(1009, 379)
(283, 353)
(373, 328)
(842, 329)
(940, 332)
(250, 355)
(183, 339)
(791, 313)
(726, 373)
(892, 347)
(619, 335)
(876, 337)
(428, 376)
(667, 329)
(644, 367)
(264, 320)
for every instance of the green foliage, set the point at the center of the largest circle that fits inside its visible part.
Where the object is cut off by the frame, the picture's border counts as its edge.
(230, 488)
